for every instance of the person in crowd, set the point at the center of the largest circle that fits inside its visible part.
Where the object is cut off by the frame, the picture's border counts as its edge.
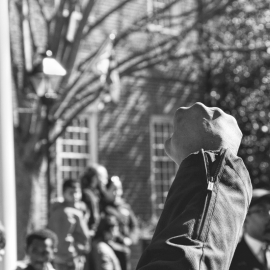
(207, 203)
(128, 233)
(41, 246)
(2, 241)
(91, 196)
(68, 222)
(102, 255)
(252, 251)
(102, 175)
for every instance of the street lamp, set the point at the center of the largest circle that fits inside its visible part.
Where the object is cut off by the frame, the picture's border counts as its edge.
(50, 68)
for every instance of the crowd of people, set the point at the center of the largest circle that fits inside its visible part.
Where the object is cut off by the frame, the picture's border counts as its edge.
(90, 227)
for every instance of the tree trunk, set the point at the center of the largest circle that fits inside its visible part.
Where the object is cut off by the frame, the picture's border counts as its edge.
(31, 198)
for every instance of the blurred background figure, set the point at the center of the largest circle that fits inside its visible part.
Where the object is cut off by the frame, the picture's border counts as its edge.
(41, 246)
(2, 241)
(67, 220)
(103, 256)
(128, 232)
(253, 250)
(91, 196)
(102, 175)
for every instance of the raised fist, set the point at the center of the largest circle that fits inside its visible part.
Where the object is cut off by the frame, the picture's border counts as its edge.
(198, 127)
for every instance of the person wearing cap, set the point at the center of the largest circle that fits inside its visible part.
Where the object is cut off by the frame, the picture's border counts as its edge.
(252, 251)
(209, 198)
(40, 248)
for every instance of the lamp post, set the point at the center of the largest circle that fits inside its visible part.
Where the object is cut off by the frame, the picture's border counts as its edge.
(50, 68)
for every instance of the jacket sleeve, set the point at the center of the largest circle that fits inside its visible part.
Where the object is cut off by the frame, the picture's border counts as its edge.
(203, 215)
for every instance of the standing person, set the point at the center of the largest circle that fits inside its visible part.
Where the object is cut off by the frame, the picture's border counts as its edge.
(252, 251)
(2, 241)
(91, 196)
(102, 255)
(41, 246)
(67, 221)
(128, 233)
(208, 200)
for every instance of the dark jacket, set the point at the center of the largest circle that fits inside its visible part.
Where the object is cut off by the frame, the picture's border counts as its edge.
(71, 229)
(91, 199)
(103, 257)
(203, 214)
(244, 259)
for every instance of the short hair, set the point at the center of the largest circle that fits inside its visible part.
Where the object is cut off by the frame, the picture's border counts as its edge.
(2, 237)
(69, 183)
(88, 176)
(41, 234)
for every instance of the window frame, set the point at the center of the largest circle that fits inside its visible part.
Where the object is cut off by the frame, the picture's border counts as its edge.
(90, 156)
(157, 27)
(158, 119)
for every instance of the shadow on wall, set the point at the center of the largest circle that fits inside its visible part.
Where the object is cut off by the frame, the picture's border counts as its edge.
(124, 134)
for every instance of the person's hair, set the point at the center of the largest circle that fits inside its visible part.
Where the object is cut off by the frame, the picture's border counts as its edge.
(105, 225)
(2, 237)
(41, 234)
(88, 176)
(69, 183)
(114, 180)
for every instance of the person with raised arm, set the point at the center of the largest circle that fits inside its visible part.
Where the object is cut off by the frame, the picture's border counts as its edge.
(208, 200)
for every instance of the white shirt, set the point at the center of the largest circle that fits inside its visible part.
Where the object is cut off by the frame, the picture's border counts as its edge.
(257, 247)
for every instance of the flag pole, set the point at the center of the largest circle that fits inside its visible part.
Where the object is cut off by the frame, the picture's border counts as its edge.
(7, 166)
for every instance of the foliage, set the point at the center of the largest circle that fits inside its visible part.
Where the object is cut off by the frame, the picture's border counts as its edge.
(236, 69)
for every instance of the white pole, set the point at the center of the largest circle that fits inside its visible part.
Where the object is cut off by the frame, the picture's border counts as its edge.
(7, 167)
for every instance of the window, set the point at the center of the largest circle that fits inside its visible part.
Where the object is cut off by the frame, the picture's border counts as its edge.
(170, 20)
(76, 149)
(164, 18)
(163, 169)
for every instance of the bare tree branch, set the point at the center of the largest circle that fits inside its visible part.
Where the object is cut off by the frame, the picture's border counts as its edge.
(44, 17)
(59, 24)
(83, 104)
(104, 17)
(65, 102)
(70, 60)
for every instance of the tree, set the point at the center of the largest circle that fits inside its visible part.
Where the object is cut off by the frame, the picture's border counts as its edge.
(236, 75)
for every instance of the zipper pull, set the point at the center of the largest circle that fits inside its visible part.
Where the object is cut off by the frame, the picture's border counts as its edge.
(210, 185)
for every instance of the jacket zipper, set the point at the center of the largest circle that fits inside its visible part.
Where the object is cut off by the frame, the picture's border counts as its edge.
(207, 201)
(210, 185)
(209, 192)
